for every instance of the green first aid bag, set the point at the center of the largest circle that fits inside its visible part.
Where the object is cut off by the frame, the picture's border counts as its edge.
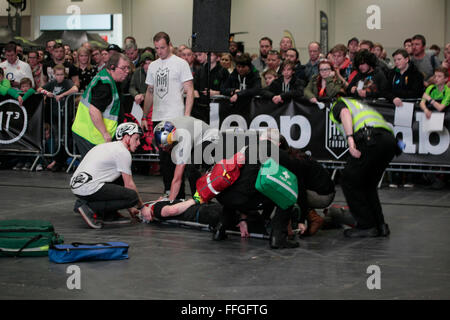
(277, 183)
(27, 238)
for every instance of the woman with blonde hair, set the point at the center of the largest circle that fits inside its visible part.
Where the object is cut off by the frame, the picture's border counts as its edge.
(86, 71)
(226, 60)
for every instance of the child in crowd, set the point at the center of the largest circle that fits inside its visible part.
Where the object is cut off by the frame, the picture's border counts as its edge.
(269, 76)
(60, 87)
(26, 88)
(286, 87)
(437, 95)
(5, 85)
(27, 91)
(58, 90)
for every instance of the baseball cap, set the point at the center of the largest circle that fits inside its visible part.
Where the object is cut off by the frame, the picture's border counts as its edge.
(114, 47)
(146, 56)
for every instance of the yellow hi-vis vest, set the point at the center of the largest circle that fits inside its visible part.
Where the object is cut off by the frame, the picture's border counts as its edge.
(83, 125)
(362, 116)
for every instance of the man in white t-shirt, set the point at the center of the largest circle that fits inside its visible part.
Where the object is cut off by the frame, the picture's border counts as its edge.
(93, 183)
(167, 79)
(15, 69)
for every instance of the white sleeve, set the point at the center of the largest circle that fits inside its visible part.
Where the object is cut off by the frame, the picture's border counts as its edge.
(149, 78)
(29, 73)
(123, 162)
(185, 71)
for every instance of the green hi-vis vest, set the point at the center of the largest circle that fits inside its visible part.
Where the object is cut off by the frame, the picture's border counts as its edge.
(83, 125)
(362, 116)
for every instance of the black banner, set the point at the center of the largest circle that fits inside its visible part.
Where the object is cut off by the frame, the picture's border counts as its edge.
(307, 127)
(21, 126)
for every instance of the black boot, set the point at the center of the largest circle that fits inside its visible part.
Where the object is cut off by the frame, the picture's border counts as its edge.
(219, 232)
(279, 235)
(281, 241)
(383, 230)
(209, 214)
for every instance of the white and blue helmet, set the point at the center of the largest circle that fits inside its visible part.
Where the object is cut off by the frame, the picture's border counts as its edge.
(164, 133)
(127, 128)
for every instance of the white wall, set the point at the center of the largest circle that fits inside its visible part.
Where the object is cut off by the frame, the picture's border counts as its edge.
(270, 18)
(447, 21)
(4, 6)
(59, 7)
(151, 16)
(347, 18)
(400, 19)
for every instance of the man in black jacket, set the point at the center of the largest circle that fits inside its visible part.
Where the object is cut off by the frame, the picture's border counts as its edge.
(404, 81)
(217, 77)
(242, 195)
(244, 81)
(285, 88)
(369, 82)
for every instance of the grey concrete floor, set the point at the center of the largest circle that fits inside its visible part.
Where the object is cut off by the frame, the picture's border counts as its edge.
(169, 262)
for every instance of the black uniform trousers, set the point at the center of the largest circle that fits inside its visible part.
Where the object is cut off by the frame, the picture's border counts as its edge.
(361, 176)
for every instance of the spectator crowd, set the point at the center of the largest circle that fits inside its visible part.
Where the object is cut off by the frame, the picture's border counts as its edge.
(358, 69)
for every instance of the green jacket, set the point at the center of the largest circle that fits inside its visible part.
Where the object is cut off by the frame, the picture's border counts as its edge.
(5, 85)
(334, 86)
(83, 125)
(15, 93)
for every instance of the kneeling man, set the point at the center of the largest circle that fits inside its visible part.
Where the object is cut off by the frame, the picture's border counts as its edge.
(94, 183)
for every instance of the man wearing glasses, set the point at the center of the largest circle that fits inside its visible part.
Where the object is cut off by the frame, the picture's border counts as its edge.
(99, 111)
(36, 67)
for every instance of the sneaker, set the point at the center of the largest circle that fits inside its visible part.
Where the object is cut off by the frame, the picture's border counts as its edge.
(26, 167)
(116, 218)
(39, 167)
(18, 166)
(90, 217)
(408, 185)
(393, 185)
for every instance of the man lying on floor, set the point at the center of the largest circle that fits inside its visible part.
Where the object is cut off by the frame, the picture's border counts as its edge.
(191, 211)
(183, 210)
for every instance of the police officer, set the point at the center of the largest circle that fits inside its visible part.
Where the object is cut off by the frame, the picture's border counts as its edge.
(372, 146)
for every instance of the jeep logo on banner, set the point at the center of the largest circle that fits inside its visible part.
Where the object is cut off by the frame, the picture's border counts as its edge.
(13, 121)
(335, 142)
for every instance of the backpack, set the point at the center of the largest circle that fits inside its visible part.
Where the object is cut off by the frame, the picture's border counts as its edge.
(277, 183)
(221, 176)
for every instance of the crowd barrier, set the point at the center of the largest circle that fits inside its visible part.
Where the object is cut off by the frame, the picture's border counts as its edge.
(304, 124)
(308, 127)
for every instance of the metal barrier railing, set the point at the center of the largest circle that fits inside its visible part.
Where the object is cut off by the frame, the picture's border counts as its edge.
(52, 123)
(70, 146)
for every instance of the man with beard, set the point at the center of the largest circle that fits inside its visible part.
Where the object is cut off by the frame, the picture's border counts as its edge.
(265, 45)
